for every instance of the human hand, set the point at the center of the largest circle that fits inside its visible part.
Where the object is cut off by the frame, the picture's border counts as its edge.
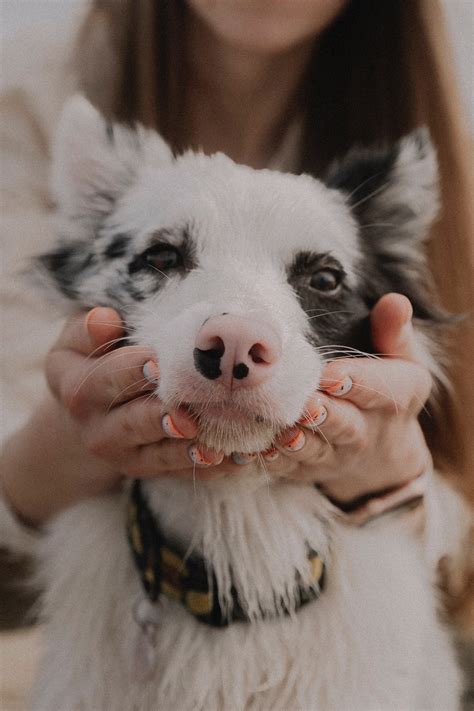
(106, 391)
(367, 437)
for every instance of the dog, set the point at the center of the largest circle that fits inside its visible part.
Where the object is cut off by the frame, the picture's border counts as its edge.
(243, 592)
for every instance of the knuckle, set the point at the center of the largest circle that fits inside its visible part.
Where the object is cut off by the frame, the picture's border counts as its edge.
(351, 430)
(97, 444)
(75, 399)
(148, 461)
(152, 419)
(361, 442)
(128, 426)
(393, 406)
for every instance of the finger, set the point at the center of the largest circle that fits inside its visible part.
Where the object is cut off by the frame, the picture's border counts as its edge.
(136, 424)
(343, 425)
(392, 328)
(171, 457)
(391, 385)
(90, 333)
(86, 384)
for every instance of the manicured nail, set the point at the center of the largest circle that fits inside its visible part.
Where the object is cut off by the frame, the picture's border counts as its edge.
(294, 441)
(271, 454)
(170, 428)
(202, 457)
(242, 458)
(314, 418)
(151, 371)
(340, 388)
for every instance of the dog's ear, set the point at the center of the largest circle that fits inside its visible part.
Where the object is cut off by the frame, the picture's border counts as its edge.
(393, 193)
(95, 161)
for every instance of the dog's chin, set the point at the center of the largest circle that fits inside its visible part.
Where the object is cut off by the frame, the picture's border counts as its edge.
(229, 435)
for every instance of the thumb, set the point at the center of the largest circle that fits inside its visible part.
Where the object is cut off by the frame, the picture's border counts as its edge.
(91, 333)
(103, 325)
(392, 328)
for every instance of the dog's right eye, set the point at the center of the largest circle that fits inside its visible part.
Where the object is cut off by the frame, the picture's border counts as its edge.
(326, 280)
(163, 257)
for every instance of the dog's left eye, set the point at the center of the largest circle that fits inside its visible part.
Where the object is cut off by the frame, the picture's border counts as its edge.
(327, 280)
(163, 257)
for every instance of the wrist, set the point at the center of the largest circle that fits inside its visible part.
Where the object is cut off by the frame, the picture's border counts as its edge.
(46, 468)
(370, 505)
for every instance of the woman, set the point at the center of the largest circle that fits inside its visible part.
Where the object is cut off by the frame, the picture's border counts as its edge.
(291, 85)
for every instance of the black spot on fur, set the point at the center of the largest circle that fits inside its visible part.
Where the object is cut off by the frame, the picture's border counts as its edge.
(181, 240)
(126, 291)
(66, 263)
(118, 247)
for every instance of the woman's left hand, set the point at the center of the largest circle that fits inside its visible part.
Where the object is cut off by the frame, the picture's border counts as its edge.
(370, 439)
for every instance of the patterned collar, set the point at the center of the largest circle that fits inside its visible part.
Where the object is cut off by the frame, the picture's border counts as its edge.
(164, 570)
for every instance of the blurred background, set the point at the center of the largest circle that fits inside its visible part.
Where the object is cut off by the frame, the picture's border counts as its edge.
(19, 14)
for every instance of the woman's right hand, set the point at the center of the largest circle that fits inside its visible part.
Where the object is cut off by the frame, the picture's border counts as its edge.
(107, 392)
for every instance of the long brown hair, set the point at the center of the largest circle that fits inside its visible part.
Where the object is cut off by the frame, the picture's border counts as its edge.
(381, 69)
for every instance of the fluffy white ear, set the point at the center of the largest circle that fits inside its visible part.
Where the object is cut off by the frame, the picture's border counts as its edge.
(95, 162)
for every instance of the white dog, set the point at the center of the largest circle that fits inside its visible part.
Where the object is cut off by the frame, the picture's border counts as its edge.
(245, 592)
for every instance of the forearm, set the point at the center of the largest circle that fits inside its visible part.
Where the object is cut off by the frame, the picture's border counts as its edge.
(45, 467)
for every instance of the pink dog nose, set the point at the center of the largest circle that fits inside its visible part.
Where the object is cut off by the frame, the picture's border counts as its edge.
(236, 350)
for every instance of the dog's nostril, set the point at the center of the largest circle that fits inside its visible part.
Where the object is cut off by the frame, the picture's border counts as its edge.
(257, 353)
(208, 362)
(216, 348)
(240, 371)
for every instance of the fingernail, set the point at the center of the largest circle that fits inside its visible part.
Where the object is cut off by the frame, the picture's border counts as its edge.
(342, 387)
(169, 426)
(151, 371)
(202, 457)
(102, 313)
(271, 454)
(314, 418)
(294, 440)
(242, 458)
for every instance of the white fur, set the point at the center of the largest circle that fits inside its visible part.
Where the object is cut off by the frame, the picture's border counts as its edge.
(373, 640)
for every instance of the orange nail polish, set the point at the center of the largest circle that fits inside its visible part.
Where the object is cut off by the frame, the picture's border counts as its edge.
(202, 457)
(271, 454)
(314, 418)
(296, 442)
(170, 428)
(342, 387)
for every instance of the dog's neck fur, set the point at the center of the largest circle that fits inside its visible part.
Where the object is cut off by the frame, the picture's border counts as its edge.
(254, 534)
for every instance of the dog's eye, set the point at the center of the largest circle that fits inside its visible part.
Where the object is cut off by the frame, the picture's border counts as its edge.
(163, 257)
(327, 280)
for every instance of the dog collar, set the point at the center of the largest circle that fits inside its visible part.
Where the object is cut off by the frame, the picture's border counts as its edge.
(164, 570)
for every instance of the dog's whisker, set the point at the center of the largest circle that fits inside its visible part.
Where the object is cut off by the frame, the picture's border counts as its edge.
(329, 313)
(123, 391)
(371, 195)
(152, 266)
(100, 362)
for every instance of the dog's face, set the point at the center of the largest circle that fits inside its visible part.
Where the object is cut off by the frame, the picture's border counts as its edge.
(243, 281)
